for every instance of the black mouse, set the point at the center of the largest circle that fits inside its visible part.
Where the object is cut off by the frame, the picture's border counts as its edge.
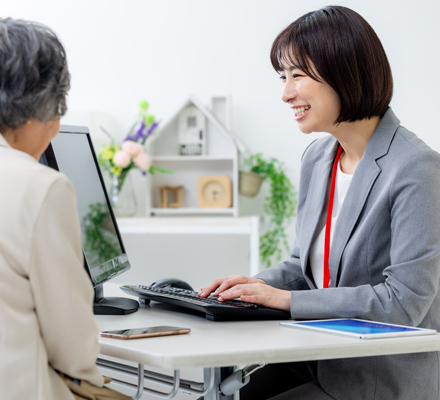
(171, 282)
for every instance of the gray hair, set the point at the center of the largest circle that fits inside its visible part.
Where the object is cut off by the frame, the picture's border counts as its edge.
(34, 79)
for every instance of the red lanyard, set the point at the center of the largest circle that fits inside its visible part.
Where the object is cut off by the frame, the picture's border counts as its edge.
(329, 219)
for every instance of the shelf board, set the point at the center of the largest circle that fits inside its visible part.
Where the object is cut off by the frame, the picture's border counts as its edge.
(198, 211)
(190, 225)
(192, 158)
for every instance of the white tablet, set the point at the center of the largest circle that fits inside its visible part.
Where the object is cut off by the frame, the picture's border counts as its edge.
(359, 328)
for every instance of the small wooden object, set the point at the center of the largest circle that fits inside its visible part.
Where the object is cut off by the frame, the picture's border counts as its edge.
(176, 192)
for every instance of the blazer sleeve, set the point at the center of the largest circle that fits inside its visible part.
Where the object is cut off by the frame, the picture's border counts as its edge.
(286, 275)
(61, 288)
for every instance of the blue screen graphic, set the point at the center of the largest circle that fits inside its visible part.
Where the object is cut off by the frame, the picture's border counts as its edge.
(356, 326)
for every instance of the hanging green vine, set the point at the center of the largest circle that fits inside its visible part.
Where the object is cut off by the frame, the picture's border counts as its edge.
(279, 205)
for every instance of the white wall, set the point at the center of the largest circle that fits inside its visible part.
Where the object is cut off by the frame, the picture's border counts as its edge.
(122, 51)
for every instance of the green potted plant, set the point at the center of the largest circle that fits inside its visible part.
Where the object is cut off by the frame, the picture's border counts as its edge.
(279, 205)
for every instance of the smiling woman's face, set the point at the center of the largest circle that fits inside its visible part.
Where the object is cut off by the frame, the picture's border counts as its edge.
(316, 105)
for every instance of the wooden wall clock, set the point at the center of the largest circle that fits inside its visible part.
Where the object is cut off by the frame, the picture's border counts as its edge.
(214, 191)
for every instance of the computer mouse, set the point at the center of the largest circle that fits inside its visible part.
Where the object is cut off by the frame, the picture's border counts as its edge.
(171, 282)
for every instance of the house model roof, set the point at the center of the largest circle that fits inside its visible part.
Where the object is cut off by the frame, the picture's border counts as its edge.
(209, 115)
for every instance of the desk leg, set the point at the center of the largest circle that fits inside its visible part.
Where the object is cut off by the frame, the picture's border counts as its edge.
(220, 374)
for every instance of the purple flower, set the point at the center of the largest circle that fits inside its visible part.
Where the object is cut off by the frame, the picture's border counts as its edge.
(152, 127)
(140, 132)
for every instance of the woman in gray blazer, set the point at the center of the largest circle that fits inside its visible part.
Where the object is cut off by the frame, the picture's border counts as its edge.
(368, 221)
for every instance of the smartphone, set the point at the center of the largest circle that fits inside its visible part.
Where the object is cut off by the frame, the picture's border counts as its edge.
(151, 331)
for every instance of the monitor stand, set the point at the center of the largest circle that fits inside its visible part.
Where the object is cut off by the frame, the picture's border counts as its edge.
(112, 305)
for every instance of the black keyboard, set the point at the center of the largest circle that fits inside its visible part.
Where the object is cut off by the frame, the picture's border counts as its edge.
(213, 309)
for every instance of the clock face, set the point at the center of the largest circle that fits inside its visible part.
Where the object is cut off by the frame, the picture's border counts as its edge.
(215, 191)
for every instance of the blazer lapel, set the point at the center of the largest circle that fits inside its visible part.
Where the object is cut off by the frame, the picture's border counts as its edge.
(360, 187)
(363, 179)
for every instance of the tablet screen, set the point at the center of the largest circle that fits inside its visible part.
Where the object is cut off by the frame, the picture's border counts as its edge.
(359, 328)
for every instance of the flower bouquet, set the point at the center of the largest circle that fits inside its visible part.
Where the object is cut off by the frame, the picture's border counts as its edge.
(118, 160)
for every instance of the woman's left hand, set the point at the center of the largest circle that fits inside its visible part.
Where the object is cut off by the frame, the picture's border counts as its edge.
(259, 293)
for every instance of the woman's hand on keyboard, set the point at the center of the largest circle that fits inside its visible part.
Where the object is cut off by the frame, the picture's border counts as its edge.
(219, 285)
(259, 293)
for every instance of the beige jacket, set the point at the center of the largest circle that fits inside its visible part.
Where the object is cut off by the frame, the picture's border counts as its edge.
(46, 318)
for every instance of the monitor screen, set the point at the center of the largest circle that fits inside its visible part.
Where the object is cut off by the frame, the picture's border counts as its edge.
(71, 152)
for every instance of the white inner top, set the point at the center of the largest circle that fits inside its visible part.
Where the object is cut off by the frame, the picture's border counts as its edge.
(317, 250)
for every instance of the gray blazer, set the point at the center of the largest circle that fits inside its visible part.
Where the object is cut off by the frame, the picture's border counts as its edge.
(384, 260)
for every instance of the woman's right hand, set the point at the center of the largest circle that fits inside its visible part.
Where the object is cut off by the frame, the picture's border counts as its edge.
(219, 285)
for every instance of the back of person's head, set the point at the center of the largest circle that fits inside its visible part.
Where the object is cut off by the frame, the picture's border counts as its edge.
(34, 78)
(336, 45)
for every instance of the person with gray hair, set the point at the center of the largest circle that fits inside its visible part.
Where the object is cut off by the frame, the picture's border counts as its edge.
(48, 335)
(34, 74)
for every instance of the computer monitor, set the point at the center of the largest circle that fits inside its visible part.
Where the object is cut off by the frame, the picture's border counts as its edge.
(71, 152)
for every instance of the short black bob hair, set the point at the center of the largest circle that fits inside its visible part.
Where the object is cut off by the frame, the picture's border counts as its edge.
(337, 46)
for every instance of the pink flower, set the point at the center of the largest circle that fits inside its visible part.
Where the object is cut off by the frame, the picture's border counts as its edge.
(143, 161)
(121, 159)
(132, 148)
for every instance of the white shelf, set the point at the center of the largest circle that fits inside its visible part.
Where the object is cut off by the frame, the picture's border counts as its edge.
(237, 225)
(192, 158)
(195, 210)
(220, 157)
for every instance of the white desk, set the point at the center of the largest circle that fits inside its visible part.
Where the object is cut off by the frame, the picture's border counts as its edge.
(200, 226)
(219, 344)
